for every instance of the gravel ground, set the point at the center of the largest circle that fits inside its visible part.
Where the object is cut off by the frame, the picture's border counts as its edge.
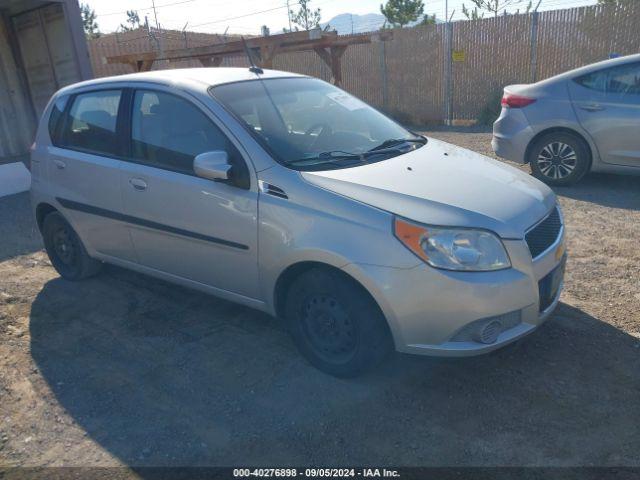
(124, 370)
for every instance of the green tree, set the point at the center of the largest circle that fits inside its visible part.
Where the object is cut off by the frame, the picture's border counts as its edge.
(402, 12)
(428, 20)
(494, 7)
(305, 18)
(88, 14)
(474, 14)
(132, 22)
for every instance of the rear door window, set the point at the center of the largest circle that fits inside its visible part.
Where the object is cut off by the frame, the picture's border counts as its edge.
(91, 123)
(622, 80)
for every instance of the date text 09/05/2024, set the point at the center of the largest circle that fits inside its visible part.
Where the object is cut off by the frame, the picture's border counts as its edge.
(315, 472)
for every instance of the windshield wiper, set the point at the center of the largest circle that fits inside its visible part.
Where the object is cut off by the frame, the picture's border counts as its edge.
(392, 142)
(333, 156)
(328, 157)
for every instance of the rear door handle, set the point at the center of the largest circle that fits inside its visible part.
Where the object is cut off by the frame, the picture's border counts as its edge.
(60, 164)
(138, 183)
(592, 107)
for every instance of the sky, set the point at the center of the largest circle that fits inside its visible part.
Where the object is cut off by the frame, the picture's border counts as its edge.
(247, 16)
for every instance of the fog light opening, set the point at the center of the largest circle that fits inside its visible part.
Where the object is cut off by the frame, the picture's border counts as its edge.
(489, 333)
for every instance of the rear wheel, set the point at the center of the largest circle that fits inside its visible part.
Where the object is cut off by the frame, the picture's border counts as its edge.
(66, 252)
(335, 323)
(559, 158)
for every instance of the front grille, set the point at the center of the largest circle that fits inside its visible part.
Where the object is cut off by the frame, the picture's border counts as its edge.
(544, 234)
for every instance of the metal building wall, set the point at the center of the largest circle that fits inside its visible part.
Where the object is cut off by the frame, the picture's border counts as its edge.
(17, 120)
(42, 48)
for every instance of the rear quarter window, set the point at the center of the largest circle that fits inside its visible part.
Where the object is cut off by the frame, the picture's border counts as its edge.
(56, 119)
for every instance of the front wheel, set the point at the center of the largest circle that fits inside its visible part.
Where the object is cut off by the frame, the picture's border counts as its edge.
(335, 324)
(559, 159)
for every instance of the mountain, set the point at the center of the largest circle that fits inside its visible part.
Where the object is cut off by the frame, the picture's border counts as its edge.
(361, 23)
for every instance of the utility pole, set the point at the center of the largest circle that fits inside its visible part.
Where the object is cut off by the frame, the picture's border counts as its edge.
(158, 32)
(155, 14)
(351, 17)
(289, 14)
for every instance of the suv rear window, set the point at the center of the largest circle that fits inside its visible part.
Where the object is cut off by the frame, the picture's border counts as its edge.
(91, 124)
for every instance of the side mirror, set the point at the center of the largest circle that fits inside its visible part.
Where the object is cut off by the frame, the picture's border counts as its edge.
(213, 165)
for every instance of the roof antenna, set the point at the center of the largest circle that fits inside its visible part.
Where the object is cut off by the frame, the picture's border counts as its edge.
(253, 67)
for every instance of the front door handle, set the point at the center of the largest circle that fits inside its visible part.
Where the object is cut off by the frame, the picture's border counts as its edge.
(138, 183)
(59, 164)
(592, 107)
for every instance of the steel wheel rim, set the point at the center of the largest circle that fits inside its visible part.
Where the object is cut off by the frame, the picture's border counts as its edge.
(64, 246)
(328, 328)
(557, 160)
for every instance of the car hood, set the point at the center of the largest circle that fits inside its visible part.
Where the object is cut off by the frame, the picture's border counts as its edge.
(441, 184)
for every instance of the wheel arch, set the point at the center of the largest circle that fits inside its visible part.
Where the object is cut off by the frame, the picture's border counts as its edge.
(566, 130)
(289, 275)
(42, 210)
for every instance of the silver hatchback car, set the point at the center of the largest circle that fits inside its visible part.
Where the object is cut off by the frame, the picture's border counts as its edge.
(286, 194)
(583, 120)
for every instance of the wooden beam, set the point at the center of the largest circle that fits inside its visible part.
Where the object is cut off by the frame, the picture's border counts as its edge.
(336, 64)
(267, 52)
(328, 45)
(142, 65)
(324, 55)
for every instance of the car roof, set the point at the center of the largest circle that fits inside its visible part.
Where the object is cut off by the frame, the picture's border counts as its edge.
(594, 67)
(184, 77)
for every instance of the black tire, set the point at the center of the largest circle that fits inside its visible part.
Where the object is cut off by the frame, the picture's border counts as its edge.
(335, 324)
(559, 159)
(66, 252)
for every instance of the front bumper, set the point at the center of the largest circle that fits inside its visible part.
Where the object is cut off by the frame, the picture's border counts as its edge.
(426, 308)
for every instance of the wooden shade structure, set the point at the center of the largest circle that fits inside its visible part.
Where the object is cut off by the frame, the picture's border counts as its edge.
(328, 45)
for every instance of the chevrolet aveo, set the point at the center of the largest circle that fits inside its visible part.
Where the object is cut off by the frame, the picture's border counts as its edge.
(286, 194)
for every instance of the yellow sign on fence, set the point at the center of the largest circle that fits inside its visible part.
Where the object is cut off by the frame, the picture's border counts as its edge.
(458, 56)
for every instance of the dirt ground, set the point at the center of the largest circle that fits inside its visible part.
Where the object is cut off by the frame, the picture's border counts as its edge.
(126, 370)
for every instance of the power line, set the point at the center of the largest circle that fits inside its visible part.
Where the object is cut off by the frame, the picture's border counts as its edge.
(145, 8)
(249, 14)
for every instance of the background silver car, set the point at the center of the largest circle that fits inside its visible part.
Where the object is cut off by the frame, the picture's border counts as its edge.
(583, 120)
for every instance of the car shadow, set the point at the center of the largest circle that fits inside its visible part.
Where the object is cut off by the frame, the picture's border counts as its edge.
(18, 230)
(616, 191)
(162, 376)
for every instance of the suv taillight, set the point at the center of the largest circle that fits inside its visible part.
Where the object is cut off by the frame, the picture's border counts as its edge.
(516, 101)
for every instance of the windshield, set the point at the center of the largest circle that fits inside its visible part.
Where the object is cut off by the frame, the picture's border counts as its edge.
(309, 124)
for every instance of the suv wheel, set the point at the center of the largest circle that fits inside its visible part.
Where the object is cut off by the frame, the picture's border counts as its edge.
(559, 159)
(335, 323)
(66, 252)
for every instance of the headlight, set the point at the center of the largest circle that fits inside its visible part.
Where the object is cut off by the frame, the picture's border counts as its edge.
(453, 248)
